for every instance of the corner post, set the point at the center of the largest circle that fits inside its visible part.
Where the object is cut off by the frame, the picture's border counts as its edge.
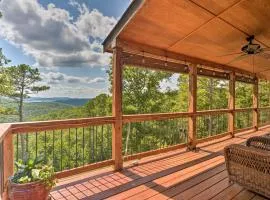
(192, 108)
(117, 109)
(8, 162)
(255, 112)
(231, 103)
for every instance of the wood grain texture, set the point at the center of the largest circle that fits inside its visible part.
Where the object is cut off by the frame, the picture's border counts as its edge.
(117, 109)
(192, 106)
(8, 161)
(255, 112)
(203, 30)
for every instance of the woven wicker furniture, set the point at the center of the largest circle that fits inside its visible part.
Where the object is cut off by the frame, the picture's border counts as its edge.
(249, 165)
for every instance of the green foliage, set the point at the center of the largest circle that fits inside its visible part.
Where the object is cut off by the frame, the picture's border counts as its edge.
(142, 92)
(67, 112)
(101, 105)
(243, 95)
(264, 93)
(34, 170)
(212, 93)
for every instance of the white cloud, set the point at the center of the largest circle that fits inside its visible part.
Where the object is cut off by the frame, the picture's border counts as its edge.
(52, 36)
(54, 78)
(94, 23)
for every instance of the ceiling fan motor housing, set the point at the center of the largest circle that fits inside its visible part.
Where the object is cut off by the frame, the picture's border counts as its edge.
(251, 48)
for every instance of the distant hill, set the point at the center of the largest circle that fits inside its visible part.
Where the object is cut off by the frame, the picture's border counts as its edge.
(64, 100)
(35, 107)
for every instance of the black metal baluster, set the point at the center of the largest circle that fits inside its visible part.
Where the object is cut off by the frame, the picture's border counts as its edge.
(45, 150)
(89, 146)
(93, 149)
(76, 147)
(61, 149)
(83, 146)
(102, 156)
(69, 156)
(17, 147)
(108, 142)
(53, 149)
(27, 146)
(36, 144)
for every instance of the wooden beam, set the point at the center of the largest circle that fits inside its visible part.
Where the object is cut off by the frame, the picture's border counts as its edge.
(192, 108)
(162, 54)
(8, 161)
(152, 63)
(231, 104)
(117, 109)
(256, 105)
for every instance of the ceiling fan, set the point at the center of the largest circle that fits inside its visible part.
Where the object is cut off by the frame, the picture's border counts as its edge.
(251, 49)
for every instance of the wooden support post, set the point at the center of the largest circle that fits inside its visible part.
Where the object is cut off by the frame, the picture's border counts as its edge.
(256, 105)
(8, 161)
(192, 108)
(231, 104)
(117, 109)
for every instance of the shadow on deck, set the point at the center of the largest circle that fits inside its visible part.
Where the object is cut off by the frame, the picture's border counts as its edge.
(172, 175)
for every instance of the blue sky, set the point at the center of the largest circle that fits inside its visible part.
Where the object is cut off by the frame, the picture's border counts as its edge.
(63, 39)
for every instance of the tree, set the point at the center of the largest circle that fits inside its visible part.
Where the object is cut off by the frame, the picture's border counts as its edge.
(23, 78)
(101, 105)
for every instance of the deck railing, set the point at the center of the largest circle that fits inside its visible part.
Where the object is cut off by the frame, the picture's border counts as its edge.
(79, 145)
(264, 116)
(243, 118)
(209, 125)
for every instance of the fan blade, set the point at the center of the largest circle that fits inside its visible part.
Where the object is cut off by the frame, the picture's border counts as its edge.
(265, 49)
(230, 54)
(241, 57)
(264, 55)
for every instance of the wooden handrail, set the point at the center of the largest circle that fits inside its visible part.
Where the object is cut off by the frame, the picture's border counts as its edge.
(243, 109)
(24, 127)
(156, 116)
(4, 130)
(264, 108)
(213, 112)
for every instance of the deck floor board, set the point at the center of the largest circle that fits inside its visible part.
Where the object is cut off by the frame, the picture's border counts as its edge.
(177, 174)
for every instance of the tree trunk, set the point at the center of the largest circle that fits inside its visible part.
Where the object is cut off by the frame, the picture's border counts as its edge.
(22, 136)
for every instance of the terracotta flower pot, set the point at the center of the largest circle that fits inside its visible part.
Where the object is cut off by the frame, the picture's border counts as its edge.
(28, 191)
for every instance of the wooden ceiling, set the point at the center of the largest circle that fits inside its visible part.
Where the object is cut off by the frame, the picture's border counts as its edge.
(204, 29)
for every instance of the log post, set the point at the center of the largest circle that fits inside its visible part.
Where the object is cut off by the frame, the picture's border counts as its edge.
(117, 109)
(255, 112)
(231, 104)
(7, 161)
(192, 108)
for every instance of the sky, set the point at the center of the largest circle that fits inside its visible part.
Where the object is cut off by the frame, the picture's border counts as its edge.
(62, 38)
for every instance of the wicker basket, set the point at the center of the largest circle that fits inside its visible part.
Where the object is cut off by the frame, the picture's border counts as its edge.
(249, 165)
(28, 191)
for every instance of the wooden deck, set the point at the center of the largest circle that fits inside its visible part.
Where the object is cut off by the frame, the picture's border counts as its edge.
(172, 175)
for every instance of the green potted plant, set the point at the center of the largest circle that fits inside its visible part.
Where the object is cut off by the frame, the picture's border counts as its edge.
(32, 180)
